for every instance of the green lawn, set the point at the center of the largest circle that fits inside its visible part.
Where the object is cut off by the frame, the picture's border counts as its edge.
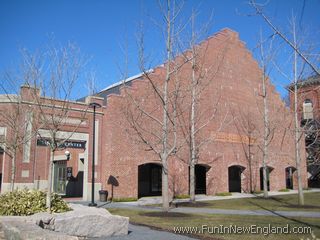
(281, 202)
(167, 221)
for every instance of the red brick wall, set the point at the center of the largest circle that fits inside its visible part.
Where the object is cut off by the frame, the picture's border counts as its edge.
(311, 92)
(237, 84)
(232, 94)
(40, 155)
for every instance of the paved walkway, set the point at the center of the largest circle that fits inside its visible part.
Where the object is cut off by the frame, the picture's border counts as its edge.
(145, 201)
(145, 233)
(219, 211)
(144, 204)
(158, 200)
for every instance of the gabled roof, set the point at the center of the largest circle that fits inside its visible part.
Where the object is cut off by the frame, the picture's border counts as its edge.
(115, 88)
(125, 81)
(313, 80)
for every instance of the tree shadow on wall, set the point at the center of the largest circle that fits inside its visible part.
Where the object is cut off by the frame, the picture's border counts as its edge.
(112, 180)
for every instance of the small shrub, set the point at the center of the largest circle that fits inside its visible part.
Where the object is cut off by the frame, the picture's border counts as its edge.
(130, 199)
(223, 194)
(27, 202)
(182, 196)
(58, 205)
(306, 188)
(284, 190)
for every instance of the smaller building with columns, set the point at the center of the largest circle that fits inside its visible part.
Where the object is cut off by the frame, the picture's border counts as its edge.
(71, 169)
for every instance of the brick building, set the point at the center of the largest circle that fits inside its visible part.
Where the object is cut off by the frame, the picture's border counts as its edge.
(33, 153)
(309, 116)
(229, 160)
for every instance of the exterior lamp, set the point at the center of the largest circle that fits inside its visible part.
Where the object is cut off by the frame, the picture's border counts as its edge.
(67, 153)
(94, 106)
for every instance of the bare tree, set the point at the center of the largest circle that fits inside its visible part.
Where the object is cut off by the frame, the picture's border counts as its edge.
(297, 135)
(17, 119)
(153, 117)
(259, 11)
(56, 79)
(200, 115)
(268, 131)
(298, 54)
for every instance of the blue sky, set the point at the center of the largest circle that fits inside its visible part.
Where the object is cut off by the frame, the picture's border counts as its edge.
(100, 27)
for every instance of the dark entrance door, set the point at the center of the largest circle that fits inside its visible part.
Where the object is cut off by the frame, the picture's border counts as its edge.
(201, 183)
(234, 174)
(268, 178)
(149, 180)
(289, 177)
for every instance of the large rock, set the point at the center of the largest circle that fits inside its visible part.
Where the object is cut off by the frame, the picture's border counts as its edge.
(83, 221)
(21, 228)
(90, 222)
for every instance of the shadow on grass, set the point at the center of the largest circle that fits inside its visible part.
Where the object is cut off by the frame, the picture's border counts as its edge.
(193, 204)
(165, 214)
(287, 204)
(285, 217)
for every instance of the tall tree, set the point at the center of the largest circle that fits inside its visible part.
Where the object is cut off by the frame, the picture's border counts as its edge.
(200, 77)
(156, 127)
(298, 55)
(60, 70)
(297, 129)
(268, 131)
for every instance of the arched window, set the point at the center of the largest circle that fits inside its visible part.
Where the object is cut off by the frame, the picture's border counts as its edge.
(307, 109)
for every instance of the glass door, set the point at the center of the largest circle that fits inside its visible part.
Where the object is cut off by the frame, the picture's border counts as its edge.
(60, 177)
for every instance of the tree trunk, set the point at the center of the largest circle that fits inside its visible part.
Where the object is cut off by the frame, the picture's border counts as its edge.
(192, 183)
(296, 123)
(192, 132)
(13, 171)
(164, 154)
(265, 137)
(297, 149)
(165, 188)
(48, 200)
(250, 175)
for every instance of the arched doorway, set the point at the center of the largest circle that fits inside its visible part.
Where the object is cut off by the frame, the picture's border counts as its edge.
(234, 178)
(289, 177)
(269, 170)
(149, 180)
(201, 178)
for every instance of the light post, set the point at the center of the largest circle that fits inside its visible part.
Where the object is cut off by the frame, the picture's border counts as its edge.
(94, 106)
(67, 153)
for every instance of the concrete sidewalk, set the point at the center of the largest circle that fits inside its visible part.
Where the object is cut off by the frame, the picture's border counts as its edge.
(146, 233)
(147, 201)
(144, 204)
(158, 200)
(199, 210)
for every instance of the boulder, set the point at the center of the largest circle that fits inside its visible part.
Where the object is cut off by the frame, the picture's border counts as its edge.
(82, 221)
(44, 220)
(23, 229)
(90, 222)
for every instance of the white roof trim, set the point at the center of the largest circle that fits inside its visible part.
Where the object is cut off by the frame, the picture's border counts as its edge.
(4, 98)
(126, 80)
